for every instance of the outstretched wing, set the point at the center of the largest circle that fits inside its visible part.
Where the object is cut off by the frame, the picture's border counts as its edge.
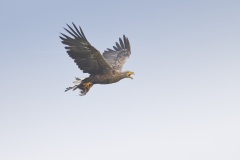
(87, 58)
(118, 57)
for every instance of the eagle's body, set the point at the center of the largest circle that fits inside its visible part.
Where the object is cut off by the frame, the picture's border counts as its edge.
(103, 68)
(105, 78)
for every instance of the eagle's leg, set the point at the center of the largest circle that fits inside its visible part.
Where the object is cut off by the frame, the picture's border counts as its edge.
(87, 85)
(86, 88)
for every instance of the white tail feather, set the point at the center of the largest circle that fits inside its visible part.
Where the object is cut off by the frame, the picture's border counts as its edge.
(76, 84)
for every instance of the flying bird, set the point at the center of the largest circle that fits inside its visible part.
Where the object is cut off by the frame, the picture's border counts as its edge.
(103, 68)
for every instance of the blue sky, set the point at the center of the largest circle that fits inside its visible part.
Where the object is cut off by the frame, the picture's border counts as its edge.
(182, 104)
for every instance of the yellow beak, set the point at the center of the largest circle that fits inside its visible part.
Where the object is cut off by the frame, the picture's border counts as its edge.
(131, 73)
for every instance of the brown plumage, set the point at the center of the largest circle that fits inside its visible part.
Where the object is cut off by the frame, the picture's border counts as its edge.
(103, 68)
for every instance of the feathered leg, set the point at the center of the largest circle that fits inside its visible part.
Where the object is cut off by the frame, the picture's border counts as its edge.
(85, 87)
(81, 84)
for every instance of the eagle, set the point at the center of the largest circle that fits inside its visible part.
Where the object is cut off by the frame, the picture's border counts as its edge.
(105, 68)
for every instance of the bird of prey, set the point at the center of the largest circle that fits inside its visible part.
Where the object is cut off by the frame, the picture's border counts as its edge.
(103, 68)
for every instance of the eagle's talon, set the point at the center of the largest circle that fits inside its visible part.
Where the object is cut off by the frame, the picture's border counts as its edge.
(83, 92)
(87, 85)
(86, 88)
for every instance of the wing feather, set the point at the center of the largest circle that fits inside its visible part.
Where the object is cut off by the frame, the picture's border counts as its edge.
(87, 58)
(119, 56)
(118, 46)
(121, 42)
(76, 35)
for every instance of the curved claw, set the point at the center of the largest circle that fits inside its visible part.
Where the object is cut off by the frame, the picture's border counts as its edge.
(87, 85)
(85, 88)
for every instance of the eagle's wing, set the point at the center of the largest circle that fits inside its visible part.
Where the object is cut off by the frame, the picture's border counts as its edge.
(118, 57)
(85, 56)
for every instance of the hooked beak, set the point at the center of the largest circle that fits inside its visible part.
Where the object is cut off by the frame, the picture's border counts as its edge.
(131, 73)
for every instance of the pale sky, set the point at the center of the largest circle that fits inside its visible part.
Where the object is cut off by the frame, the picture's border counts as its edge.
(183, 103)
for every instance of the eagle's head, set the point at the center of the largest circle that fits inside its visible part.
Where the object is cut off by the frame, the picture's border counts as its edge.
(127, 74)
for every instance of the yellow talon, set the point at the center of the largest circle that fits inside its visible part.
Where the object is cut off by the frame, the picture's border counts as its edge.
(87, 85)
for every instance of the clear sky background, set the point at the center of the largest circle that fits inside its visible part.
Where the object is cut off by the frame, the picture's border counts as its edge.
(184, 101)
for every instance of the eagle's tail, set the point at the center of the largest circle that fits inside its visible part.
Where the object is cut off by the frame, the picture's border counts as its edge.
(77, 83)
(80, 84)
